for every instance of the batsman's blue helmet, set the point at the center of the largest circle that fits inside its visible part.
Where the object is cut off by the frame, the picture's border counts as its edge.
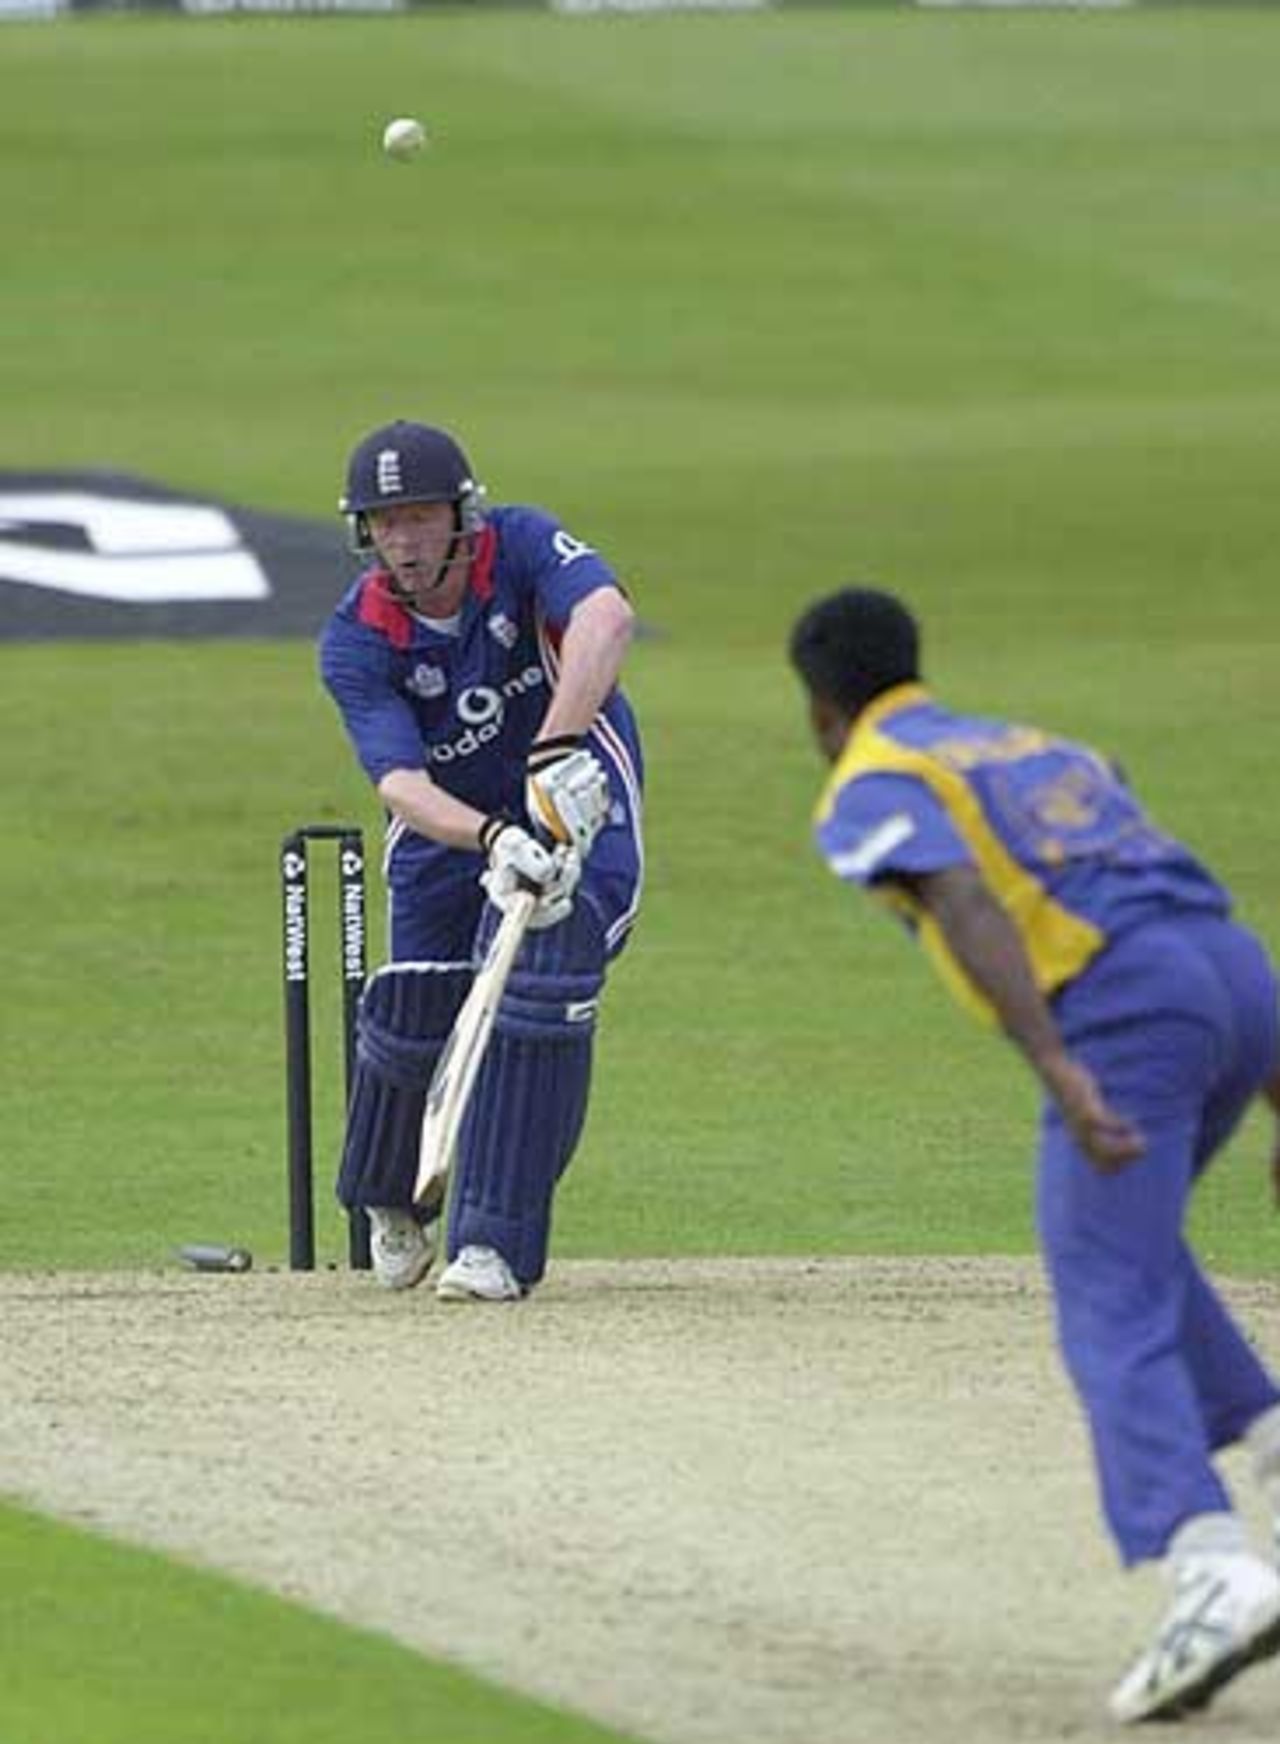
(409, 463)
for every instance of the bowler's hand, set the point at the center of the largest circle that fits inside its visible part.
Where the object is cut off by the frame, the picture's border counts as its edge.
(1109, 1141)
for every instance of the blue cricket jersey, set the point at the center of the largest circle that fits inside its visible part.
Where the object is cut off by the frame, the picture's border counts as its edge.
(1056, 833)
(466, 705)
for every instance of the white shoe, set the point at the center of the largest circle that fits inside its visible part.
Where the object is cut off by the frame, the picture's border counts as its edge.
(479, 1274)
(402, 1251)
(1225, 1616)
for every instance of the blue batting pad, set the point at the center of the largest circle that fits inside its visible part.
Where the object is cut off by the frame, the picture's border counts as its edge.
(406, 1014)
(526, 1113)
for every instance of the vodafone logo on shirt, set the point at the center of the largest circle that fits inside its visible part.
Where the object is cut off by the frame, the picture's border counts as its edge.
(482, 708)
(479, 704)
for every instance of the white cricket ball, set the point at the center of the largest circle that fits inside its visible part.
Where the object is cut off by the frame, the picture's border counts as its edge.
(404, 138)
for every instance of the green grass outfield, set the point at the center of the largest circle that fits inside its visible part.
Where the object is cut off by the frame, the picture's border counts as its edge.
(982, 306)
(104, 1644)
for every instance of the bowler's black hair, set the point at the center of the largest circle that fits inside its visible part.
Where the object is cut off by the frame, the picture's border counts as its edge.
(854, 644)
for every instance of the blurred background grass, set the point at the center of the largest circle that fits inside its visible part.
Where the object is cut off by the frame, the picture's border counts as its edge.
(980, 307)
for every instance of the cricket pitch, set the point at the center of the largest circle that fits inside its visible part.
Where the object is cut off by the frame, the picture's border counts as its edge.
(838, 1501)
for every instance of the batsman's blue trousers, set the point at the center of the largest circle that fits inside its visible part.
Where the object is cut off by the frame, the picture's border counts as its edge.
(1178, 1022)
(435, 900)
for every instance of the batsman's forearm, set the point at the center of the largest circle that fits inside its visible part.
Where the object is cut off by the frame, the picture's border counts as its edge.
(428, 809)
(595, 642)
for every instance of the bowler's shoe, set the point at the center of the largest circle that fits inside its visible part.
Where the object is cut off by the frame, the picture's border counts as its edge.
(1225, 1616)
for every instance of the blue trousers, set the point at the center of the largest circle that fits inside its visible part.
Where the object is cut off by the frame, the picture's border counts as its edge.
(1178, 1022)
(435, 901)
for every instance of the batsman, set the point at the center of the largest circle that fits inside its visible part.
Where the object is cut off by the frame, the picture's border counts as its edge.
(475, 664)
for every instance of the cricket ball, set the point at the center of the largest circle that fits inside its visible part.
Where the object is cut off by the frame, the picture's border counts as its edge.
(403, 138)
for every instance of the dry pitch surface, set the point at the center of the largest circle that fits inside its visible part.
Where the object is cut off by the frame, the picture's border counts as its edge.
(766, 1502)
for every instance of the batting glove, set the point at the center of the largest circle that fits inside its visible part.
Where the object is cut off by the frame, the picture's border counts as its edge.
(566, 792)
(518, 862)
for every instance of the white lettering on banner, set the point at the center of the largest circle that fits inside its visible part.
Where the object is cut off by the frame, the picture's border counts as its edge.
(660, 5)
(139, 552)
(1047, 5)
(203, 7)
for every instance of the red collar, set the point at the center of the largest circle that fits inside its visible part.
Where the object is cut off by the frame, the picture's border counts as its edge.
(382, 610)
(379, 608)
(482, 563)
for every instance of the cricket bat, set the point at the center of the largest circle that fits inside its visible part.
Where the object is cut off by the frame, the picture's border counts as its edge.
(455, 1075)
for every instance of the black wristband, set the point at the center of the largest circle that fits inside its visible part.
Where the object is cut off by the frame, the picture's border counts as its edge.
(492, 828)
(548, 751)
